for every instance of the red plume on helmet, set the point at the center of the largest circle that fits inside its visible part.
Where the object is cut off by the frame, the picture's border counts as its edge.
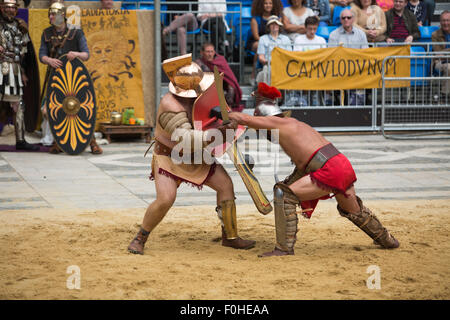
(267, 91)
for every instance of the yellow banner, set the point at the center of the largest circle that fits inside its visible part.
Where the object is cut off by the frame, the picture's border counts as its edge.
(114, 63)
(338, 68)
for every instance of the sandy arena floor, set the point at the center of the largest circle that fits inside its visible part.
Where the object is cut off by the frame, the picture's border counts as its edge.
(184, 260)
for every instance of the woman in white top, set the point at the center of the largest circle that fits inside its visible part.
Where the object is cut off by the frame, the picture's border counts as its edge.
(294, 18)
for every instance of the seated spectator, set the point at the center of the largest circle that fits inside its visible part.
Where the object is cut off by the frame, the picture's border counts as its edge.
(443, 35)
(401, 24)
(348, 36)
(262, 10)
(181, 23)
(419, 9)
(336, 7)
(321, 8)
(310, 41)
(107, 4)
(211, 14)
(267, 43)
(370, 18)
(294, 18)
(208, 59)
(385, 5)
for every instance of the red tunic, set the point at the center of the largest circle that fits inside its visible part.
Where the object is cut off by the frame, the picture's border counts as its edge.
(336, 176)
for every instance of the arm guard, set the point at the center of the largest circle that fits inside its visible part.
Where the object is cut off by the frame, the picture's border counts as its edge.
(190, 138)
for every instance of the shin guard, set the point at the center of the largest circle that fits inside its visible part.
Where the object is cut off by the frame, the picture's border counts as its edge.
(226, 211)
(369, 223)
(286, 220)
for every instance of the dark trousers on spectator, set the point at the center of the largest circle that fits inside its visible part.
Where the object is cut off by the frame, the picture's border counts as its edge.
(216, 34)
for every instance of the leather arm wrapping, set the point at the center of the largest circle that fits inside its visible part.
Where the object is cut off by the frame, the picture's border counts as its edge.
(171, 121)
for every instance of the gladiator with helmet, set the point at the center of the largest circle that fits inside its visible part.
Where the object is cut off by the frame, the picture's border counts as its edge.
(58, 40)
(187, 83)
(14, 40)
(320, 172)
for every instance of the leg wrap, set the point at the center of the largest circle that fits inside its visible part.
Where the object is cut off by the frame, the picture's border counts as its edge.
(226, 211)
(286, 220)
(369, 223)
(19, 123)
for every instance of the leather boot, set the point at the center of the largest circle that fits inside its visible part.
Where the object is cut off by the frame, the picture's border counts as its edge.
(369, 223)
(19, 128)
(236, 243)
(226, 212)
(54, 149)
(23, 145)
(95, 148)
(137, 244)
(277, 252)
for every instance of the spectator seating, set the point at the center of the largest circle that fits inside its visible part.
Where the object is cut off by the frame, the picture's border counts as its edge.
(335, 20)
(420, 67)
(425, 33)
(285, 3)
(324, 31)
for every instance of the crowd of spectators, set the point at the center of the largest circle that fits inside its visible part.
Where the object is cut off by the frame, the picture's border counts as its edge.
(379, 20)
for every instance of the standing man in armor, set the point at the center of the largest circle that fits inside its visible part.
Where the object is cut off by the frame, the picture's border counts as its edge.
(187, 82)
(14, 39)
(320, 170)
(56, 41)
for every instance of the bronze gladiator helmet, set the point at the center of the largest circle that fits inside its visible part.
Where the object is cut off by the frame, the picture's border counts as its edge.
(187, 79)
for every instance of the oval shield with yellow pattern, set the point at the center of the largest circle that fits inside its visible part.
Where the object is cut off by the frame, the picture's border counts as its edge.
(71, 106)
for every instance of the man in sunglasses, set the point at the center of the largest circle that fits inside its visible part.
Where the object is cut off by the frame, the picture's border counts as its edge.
(349, 36)
(346, 34)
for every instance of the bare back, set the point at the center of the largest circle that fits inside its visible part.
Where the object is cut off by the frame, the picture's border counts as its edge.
(298, 139)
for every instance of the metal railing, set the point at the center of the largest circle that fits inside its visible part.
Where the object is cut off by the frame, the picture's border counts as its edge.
(375, 102)
(423, 106)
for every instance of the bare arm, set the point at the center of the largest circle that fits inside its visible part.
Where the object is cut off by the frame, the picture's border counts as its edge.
(270, 122)
(291, 28)
(254, 27)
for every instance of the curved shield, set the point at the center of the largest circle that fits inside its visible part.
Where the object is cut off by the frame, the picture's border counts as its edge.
(71, 106)
(202, 121)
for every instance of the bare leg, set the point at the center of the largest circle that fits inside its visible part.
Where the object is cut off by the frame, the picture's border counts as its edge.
(182, 23)
(166, 190)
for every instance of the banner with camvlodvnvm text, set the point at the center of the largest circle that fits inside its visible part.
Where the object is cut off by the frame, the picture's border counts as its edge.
(338, 68)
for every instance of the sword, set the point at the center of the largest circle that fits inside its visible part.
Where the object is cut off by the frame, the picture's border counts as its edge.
(223, 104)
(248, 177)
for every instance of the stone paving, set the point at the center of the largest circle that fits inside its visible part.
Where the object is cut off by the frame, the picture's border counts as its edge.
(386, 170)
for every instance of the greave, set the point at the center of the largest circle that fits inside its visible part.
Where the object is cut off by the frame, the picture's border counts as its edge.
(19, 123)
(226, 211)
(286, 220)
(369, 223)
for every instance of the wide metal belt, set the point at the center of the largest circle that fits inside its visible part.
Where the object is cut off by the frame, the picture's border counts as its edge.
(321, 157)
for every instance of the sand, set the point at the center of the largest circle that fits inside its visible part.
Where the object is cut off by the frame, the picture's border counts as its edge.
(184, 259)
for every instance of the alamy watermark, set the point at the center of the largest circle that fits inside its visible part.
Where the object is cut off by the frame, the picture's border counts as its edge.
(203, 147)
(74, 280)
(374, 280)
